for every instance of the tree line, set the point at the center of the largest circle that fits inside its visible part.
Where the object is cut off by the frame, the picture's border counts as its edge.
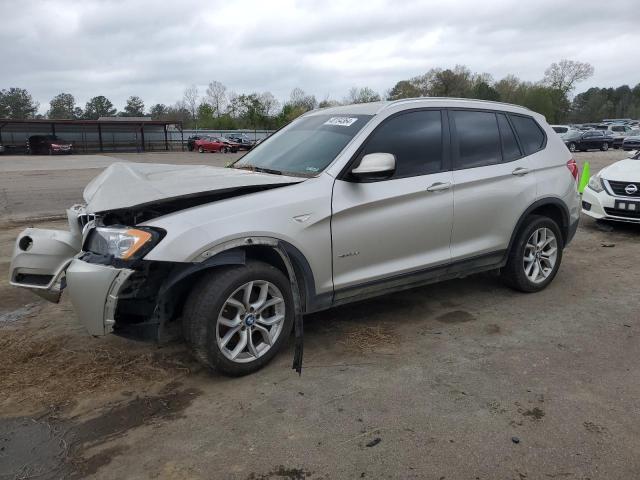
(219, 108)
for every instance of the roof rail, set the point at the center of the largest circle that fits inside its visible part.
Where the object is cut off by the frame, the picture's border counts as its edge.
(409, 100)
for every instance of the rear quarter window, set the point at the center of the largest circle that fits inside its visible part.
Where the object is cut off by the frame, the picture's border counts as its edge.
(531, 136)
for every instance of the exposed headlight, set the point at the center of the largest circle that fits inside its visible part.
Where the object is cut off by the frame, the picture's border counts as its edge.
(121, 243)
(595, 183)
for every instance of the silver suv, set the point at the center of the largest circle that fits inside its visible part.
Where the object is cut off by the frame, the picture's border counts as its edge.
(342, 204)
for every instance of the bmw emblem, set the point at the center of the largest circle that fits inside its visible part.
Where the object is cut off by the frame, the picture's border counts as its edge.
(631, 189)
(249, 320)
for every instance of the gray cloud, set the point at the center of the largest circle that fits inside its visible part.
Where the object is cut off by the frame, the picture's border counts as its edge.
(154, 49)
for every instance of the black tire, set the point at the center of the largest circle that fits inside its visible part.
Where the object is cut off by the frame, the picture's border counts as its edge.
(572, 146)
(201, 149)
(513, 274)
(224, 150)
(604, 147)
(205, 302)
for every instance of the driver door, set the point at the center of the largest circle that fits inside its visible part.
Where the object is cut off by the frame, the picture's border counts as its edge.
(395, 227)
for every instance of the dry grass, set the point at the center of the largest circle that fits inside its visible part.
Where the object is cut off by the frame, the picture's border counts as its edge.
(364, 338)
(53, 371)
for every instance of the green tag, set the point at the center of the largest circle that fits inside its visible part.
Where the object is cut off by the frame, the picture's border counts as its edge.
(584, 178)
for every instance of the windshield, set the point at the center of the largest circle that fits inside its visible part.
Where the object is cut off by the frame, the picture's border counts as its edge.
(306, 146)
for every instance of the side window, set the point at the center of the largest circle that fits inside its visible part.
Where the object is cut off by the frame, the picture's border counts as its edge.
(510, 149)
(478, 140)
(415, 138)
(531, 135)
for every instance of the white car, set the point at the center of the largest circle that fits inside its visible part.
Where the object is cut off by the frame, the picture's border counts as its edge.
(614, 193)
(565, 130)
(340, 205)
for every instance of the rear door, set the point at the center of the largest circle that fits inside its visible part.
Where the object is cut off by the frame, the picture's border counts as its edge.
(493, 182)
(400, 225)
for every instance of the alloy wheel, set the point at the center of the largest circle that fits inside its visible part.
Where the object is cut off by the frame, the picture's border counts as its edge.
(540, 255)
(250, 321)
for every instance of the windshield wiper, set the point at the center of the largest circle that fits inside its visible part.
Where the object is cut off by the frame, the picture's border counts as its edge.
(253, 168)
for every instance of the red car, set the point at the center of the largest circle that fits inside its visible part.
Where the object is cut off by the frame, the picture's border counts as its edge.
(214, 144)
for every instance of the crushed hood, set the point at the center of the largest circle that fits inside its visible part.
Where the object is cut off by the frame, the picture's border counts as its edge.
(627, 170)
(125, 185)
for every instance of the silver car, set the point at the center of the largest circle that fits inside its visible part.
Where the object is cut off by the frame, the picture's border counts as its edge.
(342, 204)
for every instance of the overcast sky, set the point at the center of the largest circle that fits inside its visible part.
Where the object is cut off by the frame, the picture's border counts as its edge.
(154, 49)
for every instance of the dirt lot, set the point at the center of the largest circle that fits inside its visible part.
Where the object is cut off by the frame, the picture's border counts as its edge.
(464, 379)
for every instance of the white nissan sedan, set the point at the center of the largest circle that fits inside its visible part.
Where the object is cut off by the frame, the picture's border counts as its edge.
(614, 193)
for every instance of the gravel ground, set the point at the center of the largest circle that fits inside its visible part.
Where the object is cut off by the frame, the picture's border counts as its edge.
(464, 379)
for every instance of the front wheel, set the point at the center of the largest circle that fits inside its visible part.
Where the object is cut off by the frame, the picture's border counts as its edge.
(535, 255)
(201, 149)
(237, 318)
(604, 147)
(572, 146)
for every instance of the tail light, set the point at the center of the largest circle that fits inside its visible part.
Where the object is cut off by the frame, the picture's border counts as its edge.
(573, 168)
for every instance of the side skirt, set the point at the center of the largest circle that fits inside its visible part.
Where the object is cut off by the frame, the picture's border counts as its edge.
(459, 269)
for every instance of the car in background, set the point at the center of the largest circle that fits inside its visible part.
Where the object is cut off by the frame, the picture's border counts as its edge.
(586, 126)
(191, 142)
(213, 144)
(572, 138)
(241, 140)
(631, 143)
(590, 140)
(565, 130)
(48, 145)
(2, 149)
(614, 192)
(617, 131)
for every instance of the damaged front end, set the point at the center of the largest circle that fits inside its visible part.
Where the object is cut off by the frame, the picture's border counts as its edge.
(49, 261)
(41, 256)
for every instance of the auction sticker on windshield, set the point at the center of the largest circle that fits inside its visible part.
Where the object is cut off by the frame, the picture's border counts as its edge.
(341, 121)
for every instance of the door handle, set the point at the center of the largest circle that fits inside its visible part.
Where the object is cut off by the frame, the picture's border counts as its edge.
(439, 187)
(520, 171)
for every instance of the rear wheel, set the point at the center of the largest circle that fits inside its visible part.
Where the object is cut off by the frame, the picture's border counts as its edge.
(224, 150)
(572, 146)
(604, 147)
(237, 318)
(535, 255)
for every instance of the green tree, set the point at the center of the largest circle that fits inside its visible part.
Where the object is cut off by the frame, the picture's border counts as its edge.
(362, 95)
(17, 103)
(97, 107)
(404, 89)
(134, 107)
(63, 106)
(159, 111)
(206, 118)
(483, 91)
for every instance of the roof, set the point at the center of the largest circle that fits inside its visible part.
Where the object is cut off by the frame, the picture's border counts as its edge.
(123, 120)
(374, 108)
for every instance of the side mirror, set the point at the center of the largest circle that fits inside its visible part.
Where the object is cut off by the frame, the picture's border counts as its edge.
(375, 166)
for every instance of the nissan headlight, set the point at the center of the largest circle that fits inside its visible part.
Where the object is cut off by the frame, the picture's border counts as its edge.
(595, 184)
(122, 243)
